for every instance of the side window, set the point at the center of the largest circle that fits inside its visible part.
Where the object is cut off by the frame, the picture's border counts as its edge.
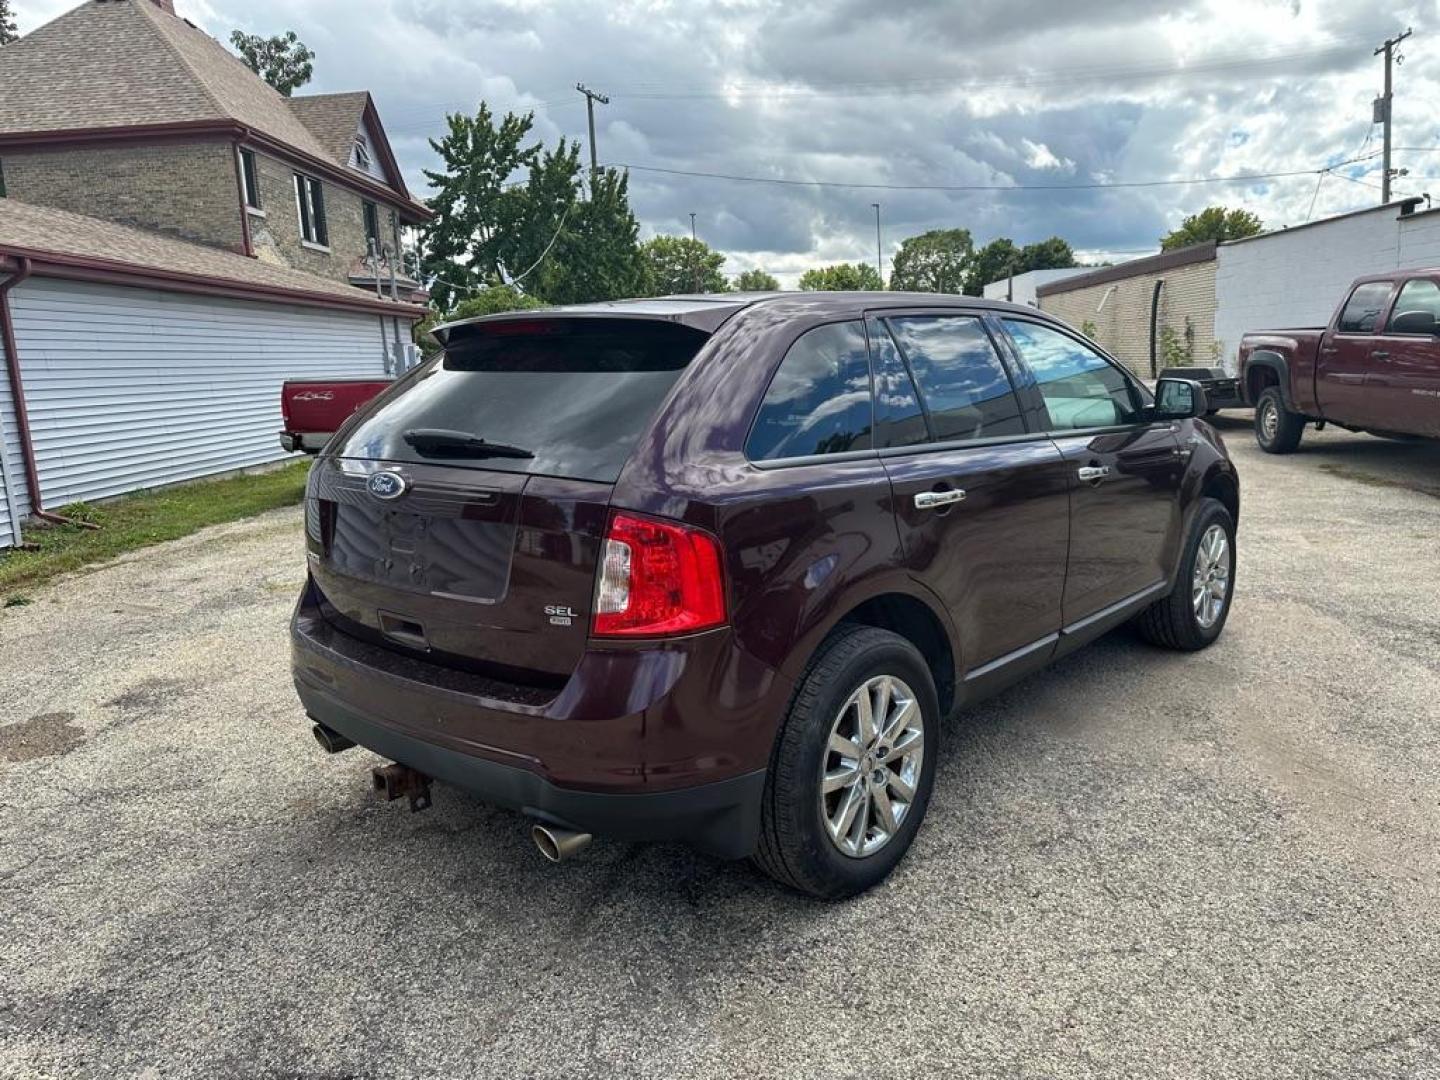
(1080, 387)
(819, 399)
(960, 377)
(1419, 299)
(1363, 308)
(899, 420)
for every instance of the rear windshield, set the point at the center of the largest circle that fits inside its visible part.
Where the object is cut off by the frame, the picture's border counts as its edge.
(563, 397)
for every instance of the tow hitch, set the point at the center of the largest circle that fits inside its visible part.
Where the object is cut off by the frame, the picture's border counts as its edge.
(402, 782)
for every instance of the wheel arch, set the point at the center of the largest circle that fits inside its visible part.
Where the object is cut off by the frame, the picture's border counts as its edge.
(1268, 368)
(890, 601)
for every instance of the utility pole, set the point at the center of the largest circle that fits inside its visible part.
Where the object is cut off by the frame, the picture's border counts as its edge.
(592, 96)
(879, 257)
(1384, 110)
(694, 263)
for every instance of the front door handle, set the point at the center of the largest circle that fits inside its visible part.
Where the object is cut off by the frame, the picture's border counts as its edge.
(929, 500)
(1379, 354)
(1094, 472)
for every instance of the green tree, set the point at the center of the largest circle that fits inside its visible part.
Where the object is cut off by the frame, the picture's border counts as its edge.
(1051, 254)
(756, 281)
(8, 30)
(596, 255)
(936, 261)
(491, 301)
(992, 262)
(842, 277)
(479, 218)
(283, 60)
(1212, 223)
(677, 264)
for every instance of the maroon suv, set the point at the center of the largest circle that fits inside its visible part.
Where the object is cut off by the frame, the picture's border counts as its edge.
(713, 568)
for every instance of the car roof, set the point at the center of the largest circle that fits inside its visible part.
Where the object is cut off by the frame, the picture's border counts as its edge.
(707, 311)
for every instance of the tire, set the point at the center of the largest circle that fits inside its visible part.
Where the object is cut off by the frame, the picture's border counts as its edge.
(1277, 429)
(1174, 622)
(796, 846)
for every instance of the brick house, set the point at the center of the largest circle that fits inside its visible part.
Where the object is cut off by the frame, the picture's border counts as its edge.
(162, 211)
(1132, 308)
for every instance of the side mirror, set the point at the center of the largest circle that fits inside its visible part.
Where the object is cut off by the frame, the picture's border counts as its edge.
(1413, 322)
(1179, 399)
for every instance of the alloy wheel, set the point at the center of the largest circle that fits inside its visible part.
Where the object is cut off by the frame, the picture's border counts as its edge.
(1211, 581)
(872, 765)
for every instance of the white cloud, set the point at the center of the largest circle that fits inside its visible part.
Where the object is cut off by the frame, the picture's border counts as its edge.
(915, 92)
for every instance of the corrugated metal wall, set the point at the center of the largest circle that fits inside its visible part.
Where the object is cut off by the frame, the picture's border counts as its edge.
(132, 388)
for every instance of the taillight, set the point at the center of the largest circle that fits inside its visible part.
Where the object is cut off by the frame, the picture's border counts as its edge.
(658, 578)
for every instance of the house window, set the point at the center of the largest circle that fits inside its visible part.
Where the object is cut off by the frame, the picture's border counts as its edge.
(311, 200)
(372, 227)
(250, 178)
(362, 152)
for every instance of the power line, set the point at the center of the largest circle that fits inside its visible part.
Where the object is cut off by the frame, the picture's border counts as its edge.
(1092, 186)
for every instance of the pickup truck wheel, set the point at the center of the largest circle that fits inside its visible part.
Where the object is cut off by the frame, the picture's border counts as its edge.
(1277, 430)
(853, 765)
(1192, 615)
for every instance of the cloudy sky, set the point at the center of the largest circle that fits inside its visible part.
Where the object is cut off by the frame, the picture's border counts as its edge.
(1030, 95)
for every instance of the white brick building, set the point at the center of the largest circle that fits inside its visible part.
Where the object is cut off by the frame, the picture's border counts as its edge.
(1211, 295)
(1296, 277)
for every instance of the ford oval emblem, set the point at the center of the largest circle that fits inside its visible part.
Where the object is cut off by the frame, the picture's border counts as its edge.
(387, 485)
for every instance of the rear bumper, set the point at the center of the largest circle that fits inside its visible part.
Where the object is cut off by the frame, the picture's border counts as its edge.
(660, 741)
(722, 818)
(308, 442)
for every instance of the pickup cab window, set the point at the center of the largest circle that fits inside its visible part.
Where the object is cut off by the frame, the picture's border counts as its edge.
(1420, 297)
(1362, 310)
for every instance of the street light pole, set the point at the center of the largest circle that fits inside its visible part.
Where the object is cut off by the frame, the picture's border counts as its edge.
(1384, 109)
(879, 257)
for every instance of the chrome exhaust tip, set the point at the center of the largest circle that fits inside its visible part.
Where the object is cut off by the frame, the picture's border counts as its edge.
(558, 844)
(332, 742)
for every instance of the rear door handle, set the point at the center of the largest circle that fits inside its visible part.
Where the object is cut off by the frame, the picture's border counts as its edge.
(1379, 354)
(1094, 472)
(929, 500)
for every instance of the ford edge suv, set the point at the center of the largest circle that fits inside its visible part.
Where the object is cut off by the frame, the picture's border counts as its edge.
(713, 568)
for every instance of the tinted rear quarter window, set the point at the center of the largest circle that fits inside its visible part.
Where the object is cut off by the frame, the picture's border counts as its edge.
(961, 379)
(1363, 308)
(576, 394)
(819, 399)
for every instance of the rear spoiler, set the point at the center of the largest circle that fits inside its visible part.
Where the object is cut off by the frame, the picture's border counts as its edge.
(706, 315)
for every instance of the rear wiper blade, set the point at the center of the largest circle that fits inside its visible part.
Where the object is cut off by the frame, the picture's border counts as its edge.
(442, 441)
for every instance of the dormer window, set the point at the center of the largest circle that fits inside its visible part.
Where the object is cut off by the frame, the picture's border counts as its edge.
(362, 152)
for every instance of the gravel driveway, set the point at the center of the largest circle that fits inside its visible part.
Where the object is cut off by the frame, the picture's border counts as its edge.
(1135, 864)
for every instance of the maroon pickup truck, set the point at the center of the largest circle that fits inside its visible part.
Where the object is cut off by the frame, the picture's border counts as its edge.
(1375, 368)
(313, 409)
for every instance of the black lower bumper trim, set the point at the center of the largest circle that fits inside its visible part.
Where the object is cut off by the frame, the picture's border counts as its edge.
(722, 818)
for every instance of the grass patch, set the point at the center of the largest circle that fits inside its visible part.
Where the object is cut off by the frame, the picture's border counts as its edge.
(137, 521)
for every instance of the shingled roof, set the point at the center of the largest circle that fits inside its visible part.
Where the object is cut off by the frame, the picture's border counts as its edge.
(79, 243)
(131, 63)
(333, 119)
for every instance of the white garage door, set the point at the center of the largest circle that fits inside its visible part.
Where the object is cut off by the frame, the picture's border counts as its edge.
(132, 388)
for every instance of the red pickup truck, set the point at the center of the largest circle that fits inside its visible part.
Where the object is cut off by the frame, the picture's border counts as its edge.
(1375, 368)
(313, 408)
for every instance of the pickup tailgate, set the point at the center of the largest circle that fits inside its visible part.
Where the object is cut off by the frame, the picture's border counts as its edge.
(320, 406)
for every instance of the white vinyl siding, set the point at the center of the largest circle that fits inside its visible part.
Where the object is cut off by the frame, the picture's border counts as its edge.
(9, 530)
(134, 388)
